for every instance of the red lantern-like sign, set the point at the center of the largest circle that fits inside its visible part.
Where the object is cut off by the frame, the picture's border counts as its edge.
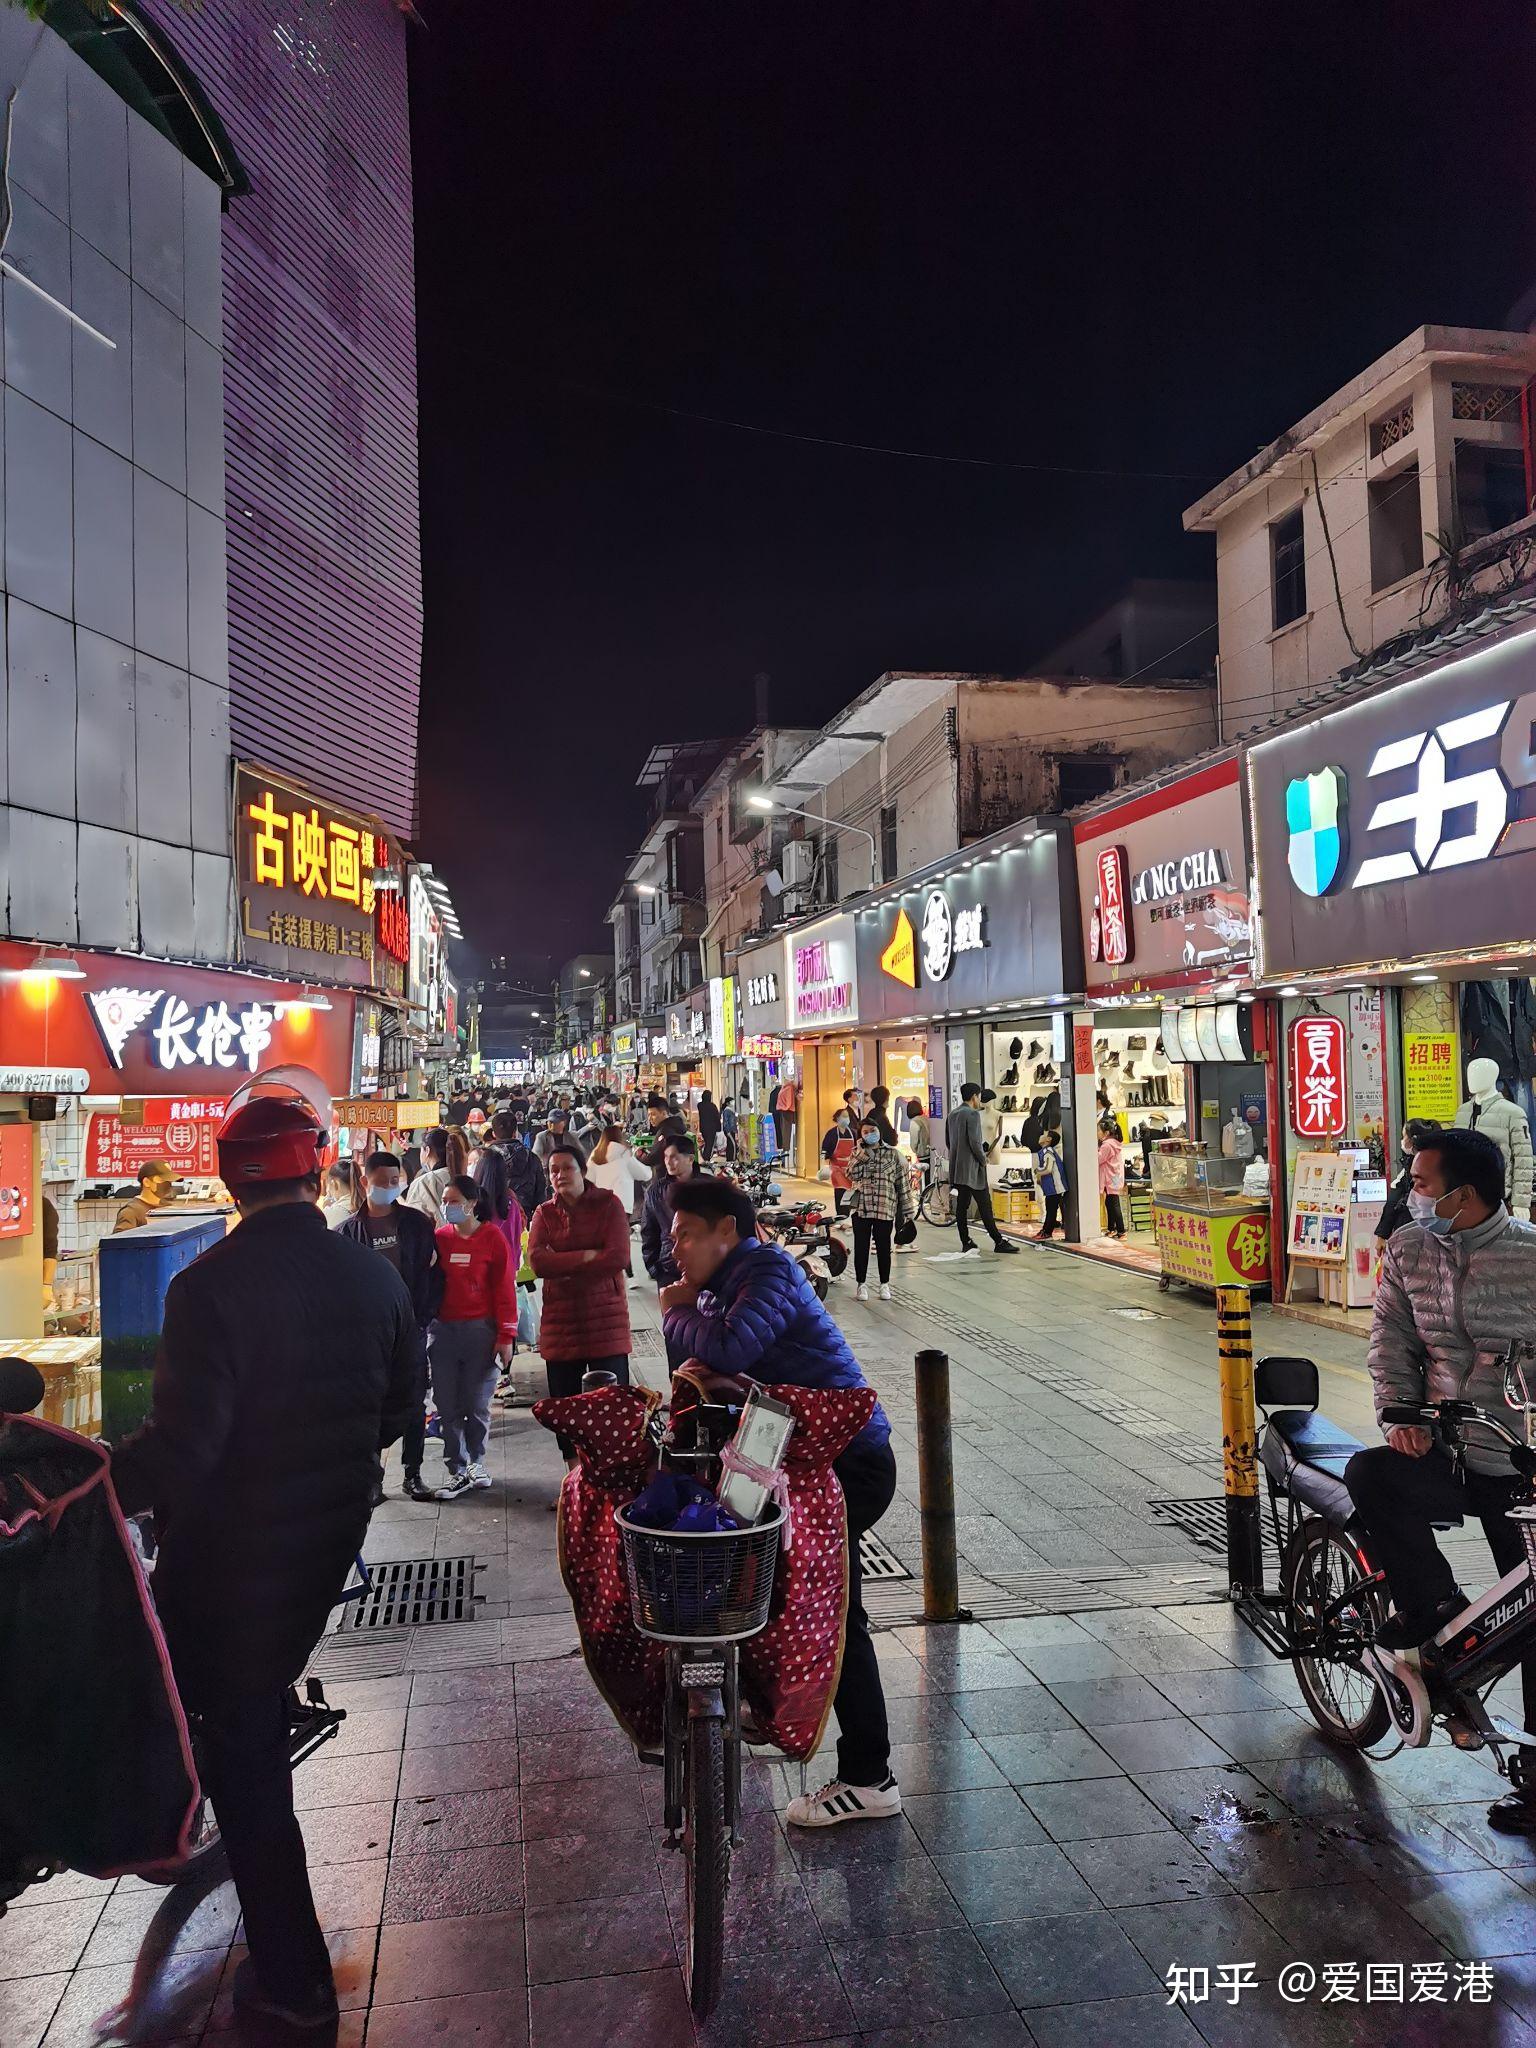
(1318, 1089)
(1114, 907)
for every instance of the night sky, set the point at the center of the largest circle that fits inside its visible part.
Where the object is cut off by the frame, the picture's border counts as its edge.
(1121, 237)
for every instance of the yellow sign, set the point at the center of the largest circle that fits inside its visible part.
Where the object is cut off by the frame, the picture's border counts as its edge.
(1212, 1251)
(899, 960)
(1431, 1087)
(373, 1113)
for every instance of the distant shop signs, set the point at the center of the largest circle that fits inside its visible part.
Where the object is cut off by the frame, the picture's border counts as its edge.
(762, 978)
(1162, 884)
(1403, 827)
(307, 874)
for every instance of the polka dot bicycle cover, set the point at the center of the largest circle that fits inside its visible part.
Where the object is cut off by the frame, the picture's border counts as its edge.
(788, 1672)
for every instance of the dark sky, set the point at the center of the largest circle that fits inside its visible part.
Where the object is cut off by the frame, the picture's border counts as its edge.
(1120, 235)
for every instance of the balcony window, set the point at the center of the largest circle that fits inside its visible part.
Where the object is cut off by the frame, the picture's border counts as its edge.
(1490, 488)
(1397, 527)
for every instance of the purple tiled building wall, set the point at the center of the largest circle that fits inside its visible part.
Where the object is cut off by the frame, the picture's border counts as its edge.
(320, 388)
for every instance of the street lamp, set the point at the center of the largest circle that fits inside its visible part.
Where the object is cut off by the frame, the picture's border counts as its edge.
(768, 803)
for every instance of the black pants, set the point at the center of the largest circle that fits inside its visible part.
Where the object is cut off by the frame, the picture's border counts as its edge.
(865, 1228)
(413, 1439)
(1114, 1215)
(982, 1197)
(1052, 1215)
(246, 1773)
(564, 1377)
(840, 1201)
(868, 1478)
(1400, 1497)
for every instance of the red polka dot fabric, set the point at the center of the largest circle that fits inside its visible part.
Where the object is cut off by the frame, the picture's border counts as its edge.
(789, 1672)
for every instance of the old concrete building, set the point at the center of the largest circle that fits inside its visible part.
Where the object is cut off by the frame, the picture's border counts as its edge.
(1398, 498)
(923, 764)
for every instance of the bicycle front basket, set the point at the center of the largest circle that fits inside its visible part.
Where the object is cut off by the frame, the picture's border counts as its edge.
(704, 1586)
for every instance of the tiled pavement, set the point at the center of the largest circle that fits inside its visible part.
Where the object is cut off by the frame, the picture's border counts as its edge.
(1090, 1798)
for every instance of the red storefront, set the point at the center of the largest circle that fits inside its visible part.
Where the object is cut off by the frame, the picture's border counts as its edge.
(118, 1060)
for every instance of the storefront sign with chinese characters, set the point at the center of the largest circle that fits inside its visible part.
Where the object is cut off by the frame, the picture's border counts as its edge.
(1403, 827)
(626, 1044)
(1112, 939)
(183, 1034)
(1211, 1251)
(306, 871)
(116, 1147)
(373, 1113)
(761, 1045)
(825, 989)
(1316, 1077)
(1171, 867)
(762, 988)
(722, 1016)
(1368, 1067)
(1431, 1087)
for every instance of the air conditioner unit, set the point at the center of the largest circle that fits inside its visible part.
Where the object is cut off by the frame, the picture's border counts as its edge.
(797, 863)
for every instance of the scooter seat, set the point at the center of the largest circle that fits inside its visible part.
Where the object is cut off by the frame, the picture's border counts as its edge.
(1314, 1440)
(1305, 1455)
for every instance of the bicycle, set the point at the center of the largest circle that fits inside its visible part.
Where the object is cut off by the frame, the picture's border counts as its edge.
(936, 1204)
(1333, 1596)
(702, 1595)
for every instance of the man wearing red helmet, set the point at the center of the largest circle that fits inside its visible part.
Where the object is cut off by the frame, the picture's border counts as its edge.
(287, 1362)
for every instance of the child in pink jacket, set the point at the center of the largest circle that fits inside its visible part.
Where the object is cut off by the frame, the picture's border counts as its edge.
(1112, 1177)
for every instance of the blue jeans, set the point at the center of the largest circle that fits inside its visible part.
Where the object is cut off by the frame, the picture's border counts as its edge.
(463, 1358)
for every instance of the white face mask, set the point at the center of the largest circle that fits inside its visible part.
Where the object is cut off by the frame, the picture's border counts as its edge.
(1425, 1212)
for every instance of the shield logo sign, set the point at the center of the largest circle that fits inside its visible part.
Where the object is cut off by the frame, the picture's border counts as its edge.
(1318, 831)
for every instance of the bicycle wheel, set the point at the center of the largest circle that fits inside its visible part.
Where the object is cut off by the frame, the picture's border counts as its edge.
(1319, 1569)
(937, 1205)
(205, 1854)
(706, 1861)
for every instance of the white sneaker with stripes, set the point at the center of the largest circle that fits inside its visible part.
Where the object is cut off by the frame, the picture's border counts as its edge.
(838, 1802)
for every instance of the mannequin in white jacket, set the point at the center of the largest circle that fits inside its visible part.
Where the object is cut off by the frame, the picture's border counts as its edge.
(1488, 1111)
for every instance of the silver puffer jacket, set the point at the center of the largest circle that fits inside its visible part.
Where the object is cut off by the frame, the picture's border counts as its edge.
(1446, 1310)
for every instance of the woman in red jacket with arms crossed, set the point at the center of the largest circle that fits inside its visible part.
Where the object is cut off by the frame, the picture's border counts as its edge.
(579, 1247)
(476, 1326)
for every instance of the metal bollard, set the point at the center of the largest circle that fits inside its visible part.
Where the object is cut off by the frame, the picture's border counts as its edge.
(936, 1490)
(1239, 1440)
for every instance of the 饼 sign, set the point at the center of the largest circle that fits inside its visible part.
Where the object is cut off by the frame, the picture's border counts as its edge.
(1404, 826)
(307, 876)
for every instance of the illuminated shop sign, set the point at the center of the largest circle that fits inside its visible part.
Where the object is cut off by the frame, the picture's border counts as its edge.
(1319, 1107)
(1111, 935)
(825, 990)
(175, 1033)
(308, 873)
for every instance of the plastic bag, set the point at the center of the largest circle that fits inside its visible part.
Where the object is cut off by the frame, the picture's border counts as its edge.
(529, 1305)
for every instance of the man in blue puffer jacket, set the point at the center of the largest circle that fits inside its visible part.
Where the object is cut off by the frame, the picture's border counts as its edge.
(746, 1310)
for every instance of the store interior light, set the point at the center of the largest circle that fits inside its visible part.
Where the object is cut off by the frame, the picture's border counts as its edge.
(1290, 989)
(1423, 977)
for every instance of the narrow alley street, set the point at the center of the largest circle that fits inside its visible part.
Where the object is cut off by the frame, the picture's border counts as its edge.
(1105, 1779)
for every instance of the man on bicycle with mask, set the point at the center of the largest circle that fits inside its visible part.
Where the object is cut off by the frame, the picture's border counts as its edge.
(288, 1359)
(1457, 1283)
(762, 1321)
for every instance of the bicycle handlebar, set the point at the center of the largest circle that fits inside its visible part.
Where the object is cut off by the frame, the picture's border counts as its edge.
(1450, 1416)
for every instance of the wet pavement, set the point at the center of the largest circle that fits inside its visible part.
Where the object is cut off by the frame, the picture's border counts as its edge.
(1093, 1797)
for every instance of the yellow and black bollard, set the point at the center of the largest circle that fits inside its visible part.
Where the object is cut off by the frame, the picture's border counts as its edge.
(936, 1490)
(1239, 1441)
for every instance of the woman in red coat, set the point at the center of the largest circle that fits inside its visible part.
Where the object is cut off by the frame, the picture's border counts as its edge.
(579, 1247)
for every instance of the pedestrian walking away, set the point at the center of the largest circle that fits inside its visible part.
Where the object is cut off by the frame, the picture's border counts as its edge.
(968, 1170)
(578, 1245)
(746, 1310)
(408, 1241)
(288, 1359)
(475, 1331)
(880, 1200)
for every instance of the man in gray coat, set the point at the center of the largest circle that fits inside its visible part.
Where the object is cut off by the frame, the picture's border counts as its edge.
(968, 1171)
(1457, 1283)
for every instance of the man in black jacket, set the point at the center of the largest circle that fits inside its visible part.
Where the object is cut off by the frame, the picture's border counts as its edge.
(287, 1361)
(406, 1238)
(679, 1162)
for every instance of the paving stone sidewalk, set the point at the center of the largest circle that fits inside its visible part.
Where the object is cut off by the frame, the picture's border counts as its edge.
(1091, 1798)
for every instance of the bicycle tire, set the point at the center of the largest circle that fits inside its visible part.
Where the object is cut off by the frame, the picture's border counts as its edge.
(706, 1862)
(1308, 1583)
(937, 1205)
(205, 1855)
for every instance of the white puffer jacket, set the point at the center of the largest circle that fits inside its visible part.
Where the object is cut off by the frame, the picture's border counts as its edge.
(1446, 1310)
(1505, 1123)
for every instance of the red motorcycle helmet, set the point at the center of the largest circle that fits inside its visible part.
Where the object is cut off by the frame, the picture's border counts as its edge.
(271, 1138)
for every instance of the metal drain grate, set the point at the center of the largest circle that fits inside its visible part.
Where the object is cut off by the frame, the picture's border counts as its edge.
(1204, 1522)
(406, 1592)
(878, 1560)
(1140, 1315)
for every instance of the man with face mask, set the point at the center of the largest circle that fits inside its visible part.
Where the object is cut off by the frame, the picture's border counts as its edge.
(1457, 1283)
(408, 1241)
(157, 1187)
